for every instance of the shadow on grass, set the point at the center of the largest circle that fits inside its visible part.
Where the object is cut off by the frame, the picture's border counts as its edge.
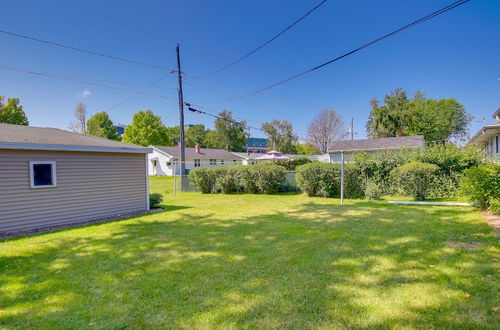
(361, 265)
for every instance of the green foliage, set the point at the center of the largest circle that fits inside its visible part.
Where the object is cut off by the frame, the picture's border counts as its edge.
(414, 178)
(373, 191)
(173, 135)
(12, 112)
(293, 163)
(146, 129)
(280, 135)
(436, 120)
(494, 205)
(203, 179)
(481, 184)
(305, 149)
(229, 134)
(212, 140)
(101, 125)
(196, 134)
(155, 199)
(251, 179)
(324, 180)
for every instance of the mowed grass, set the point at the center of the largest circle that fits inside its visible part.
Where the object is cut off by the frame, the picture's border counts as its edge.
(257, 261)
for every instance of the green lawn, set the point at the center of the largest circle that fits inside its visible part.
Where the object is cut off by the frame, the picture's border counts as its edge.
(257, 261)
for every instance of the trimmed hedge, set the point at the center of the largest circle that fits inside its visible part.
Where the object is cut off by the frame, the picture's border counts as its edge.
(414, 179)
(293, 163)
(155, 199)
(481, 184)
(323, 180)
(250, 179)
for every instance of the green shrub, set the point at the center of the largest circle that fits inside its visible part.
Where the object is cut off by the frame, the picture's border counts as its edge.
(155, 199)
(226, 179)
(414, 178)
(293, 163)
(323, 179)
(270, 178)
(373, 191)
(494, 206)
(481, 184)
(252, 179)
(203, 178)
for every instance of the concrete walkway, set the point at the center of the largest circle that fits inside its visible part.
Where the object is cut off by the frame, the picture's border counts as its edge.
(430, 203)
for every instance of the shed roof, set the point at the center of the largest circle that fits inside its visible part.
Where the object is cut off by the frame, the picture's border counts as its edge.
(204, 153)
(46, 138)
(378, 144)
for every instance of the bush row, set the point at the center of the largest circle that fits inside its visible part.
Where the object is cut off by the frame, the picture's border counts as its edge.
(481, 184)
(323, 179)
(252, 179)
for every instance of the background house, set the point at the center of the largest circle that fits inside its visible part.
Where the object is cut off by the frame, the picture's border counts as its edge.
(256, 145)
(161, 160)
(488, 137)
(370, 145)
(51, 177)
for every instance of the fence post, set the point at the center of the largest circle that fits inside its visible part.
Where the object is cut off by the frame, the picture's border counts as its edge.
(342, 181)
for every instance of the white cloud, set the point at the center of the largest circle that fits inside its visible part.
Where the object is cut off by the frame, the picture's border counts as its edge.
(86, 93)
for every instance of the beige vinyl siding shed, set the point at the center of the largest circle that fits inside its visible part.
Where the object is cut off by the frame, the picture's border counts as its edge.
(94, 179)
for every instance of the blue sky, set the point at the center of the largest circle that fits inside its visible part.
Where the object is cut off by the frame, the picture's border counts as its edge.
(454, 55)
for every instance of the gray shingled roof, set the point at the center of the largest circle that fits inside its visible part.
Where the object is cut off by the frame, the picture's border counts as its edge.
(46, 138)
(377, 144)
(205, 153)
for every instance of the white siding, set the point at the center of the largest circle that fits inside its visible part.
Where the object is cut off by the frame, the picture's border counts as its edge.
(89, 186)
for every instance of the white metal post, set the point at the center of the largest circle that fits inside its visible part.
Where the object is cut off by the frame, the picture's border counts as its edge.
(175, 177)
(342, 181)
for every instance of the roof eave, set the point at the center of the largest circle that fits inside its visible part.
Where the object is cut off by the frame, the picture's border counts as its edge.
(62, 147)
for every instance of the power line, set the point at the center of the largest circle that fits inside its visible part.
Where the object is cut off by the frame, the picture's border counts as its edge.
(55, 76)
(139, 92)
(421, 20)
(267, 42)
(219, 117)
(57, 44)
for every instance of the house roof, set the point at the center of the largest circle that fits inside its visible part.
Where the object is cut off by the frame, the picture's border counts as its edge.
(46, 138)
(378, 144)
(254, 155)
(205, 153)
(484, 134)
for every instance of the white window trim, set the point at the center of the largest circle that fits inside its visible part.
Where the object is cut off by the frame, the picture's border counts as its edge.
(54, 173)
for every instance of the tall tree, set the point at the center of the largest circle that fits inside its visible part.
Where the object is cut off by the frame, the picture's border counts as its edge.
(12, 112)
(146, 129)
(325, 129)
(101, 125)
(305, 148)
(212, 140)
(230, 133)
(280, 135)
(78, 125)
(436, 120)
(196, 134)
(173, 134)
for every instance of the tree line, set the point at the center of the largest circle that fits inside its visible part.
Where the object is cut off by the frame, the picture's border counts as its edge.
(397, 115)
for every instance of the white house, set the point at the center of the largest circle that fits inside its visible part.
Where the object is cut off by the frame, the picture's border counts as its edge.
(163, 159)
(349, 147)
(251, 158)
(488, 137)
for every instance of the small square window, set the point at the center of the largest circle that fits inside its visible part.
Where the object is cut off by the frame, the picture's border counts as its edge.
(43, 174)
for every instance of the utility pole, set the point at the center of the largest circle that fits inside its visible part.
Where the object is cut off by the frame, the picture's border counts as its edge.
(342, 180)
(352, 128)
(181, 121)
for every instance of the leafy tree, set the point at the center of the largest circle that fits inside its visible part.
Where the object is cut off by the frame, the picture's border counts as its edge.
(230, 134)
(436, 120)
(173, 134)
(305, 149)
(78, 124)
(196, 134)
(325, 129)
(212, 140)
(146, 129)
(101, 125)
(12, 112)
(280, 135)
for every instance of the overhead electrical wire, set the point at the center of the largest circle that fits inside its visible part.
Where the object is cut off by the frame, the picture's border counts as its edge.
(420, 20)
(265, 43)
(82, 50)
(55, 76)
(219, 117)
